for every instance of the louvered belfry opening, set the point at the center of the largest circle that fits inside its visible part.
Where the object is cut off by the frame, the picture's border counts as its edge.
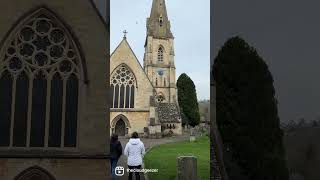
(40, 73)
(160, 54)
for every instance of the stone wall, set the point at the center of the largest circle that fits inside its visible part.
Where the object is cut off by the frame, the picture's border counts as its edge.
(176, 129)
(138, 120)
(152, 66)
(60, 169)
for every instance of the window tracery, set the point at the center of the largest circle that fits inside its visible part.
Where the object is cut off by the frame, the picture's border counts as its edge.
(39, 66)
(123, 85)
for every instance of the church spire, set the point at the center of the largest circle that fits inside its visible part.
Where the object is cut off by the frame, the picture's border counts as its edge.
(158, 24)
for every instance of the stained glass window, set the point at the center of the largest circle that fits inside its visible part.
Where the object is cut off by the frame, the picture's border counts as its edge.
(70, 138)
(39, 94)
(123, 82)
(5, 107)
(21, 111)
(39, 66)
(56, 102)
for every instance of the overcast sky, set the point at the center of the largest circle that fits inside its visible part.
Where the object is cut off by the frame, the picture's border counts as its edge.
(190, 25)
(286, 33)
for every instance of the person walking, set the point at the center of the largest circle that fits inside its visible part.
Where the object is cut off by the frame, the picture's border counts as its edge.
(135, 151)
(115, 153)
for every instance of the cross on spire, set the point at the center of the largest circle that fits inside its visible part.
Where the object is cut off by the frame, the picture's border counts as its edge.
(125, 32)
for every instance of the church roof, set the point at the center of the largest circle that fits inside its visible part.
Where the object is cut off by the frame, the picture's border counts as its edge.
(168, 113)
(158, 24)
(124, 44)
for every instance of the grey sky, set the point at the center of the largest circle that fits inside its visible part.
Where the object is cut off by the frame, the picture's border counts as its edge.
(190, 23)
(286, 34)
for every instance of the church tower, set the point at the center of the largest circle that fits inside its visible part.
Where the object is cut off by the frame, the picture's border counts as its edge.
(159, 53)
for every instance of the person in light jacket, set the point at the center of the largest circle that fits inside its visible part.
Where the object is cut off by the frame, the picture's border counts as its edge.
(135, 151)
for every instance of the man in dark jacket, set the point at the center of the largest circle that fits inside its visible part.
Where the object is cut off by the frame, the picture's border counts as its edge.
(115, 153)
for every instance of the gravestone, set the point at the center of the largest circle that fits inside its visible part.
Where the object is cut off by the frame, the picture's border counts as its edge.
(192, 138)
(192, 135)
(186, 168)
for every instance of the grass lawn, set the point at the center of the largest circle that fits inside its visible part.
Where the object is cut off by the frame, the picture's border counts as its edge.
(164, 158)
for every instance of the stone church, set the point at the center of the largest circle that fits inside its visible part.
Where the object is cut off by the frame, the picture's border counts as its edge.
(54, 122)
(145, 97)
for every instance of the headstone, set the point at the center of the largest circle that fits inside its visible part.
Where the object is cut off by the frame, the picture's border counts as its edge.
(146, 132)
(158, 135)
(187, 168)
(152, 121)
(152, 101)
(192, 135)
(192, 132)
(192, 138)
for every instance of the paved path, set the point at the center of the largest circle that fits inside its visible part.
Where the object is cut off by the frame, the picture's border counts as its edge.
(148, 143)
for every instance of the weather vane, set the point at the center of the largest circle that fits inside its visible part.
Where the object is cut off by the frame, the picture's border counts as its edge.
(125, 32)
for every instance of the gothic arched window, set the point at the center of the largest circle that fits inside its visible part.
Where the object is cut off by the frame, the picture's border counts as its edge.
(160, 54)
(123, 85)
(160, 98)
(40, 72)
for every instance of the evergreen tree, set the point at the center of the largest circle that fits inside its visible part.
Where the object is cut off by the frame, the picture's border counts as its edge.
(247, 114)
(187, 98)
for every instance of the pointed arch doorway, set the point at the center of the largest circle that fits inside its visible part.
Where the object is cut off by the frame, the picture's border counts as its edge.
(120, 128)
(120, 125)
